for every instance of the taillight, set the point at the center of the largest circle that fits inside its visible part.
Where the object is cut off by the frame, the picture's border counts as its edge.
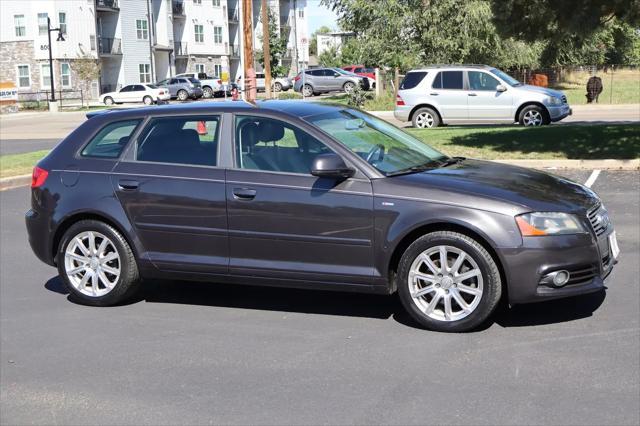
(38, 177)
(399, 101)
(296, 78)
(219, 81)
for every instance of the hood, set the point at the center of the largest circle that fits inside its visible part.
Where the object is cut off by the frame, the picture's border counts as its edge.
(543, 90)
(525, 189)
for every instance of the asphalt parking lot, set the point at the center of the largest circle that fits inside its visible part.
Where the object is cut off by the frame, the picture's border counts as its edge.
(218, 354)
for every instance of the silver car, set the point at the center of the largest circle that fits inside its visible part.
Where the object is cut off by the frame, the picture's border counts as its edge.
(322, 80)
(182, 88)
(431, 96)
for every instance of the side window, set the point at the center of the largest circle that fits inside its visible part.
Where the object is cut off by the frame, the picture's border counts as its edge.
(173, 81)
(272, 145)
(180, 140)
(317, 73)
(138, 88)
(482, 81)
(110, 140)
(412, 79)
(126, 89)
(360, 69)
(452, 80)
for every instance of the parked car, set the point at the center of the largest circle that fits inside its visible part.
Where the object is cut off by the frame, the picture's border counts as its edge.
(279, 84)
(431, 96)
(361, 70)
(172, 193)
(146, 93)
(372, 82)
(211, 85)
(182, 88)
(321, 80)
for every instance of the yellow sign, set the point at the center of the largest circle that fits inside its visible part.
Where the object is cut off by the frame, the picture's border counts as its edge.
(8, 92)
(225, 76)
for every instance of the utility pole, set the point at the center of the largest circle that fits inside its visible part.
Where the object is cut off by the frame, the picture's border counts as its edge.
(265, 49)
(247, 38)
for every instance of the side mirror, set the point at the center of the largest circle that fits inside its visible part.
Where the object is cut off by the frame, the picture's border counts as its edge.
(337, 74)
(501, 88)
(331, 166)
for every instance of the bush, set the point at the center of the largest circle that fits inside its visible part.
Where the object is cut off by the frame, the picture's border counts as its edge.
(357, 97)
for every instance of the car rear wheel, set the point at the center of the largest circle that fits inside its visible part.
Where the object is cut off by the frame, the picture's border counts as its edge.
(307, 90)
(447, 281)
(148, 100)
(97, 264)
(348, 87)
(533, 115)
(207, 92)
(183, 95)
(277, 87)
(425, 118)
(108, 100)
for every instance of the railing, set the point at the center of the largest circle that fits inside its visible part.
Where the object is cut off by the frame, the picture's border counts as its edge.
(178, 9)
(234, 51)
(109, 46)
(180, 49)
(233, 15)
(40, 100)
(107, 4)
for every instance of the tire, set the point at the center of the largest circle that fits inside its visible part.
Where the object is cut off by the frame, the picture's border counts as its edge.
(277, 87)
(425, 118)
(108, 100)
(122, 286)
(482, 289)
(348, 87)
(207, 92)
(533, 116)
(147, 100)
(307, 90)
(183, 95)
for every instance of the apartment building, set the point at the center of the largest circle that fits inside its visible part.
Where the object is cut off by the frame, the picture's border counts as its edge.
(135, 40)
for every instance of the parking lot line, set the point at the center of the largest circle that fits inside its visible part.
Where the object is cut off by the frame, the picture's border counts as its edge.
(592, 178)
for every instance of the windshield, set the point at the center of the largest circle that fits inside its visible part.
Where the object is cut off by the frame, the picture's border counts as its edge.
(385, 147)
(341, 71)
(152, 86)
(506, 77)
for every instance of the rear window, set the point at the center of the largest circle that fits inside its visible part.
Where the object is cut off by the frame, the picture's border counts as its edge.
(448, 80)
(412, 79)
(110, 140)
(193, 80)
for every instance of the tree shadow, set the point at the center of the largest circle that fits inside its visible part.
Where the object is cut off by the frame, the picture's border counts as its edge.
(339, 303)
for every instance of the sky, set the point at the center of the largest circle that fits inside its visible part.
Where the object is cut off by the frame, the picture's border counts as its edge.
(318, 15)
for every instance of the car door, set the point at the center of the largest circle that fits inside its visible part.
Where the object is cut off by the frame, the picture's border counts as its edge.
(285, 223)
(122, 94)
(485, 101)
(137, 93)
(173, 193)
(173, 87)
(333, 79)
(448, 92)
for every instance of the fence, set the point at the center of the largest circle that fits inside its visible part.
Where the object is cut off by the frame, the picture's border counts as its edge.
(40, 100)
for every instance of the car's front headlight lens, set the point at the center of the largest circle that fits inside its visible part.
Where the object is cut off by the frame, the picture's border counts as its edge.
(548, 223)
(552, 100)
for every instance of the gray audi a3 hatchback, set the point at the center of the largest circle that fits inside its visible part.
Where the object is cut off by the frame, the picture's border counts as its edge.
(308, 195)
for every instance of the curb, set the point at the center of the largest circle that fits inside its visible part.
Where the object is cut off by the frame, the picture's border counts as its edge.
(14, 182)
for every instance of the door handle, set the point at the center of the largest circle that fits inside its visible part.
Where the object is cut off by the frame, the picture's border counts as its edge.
(128, 185)
(473, 94)
(434, 94)
(244, 193)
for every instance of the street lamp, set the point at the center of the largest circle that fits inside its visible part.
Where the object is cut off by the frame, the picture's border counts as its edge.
(60, 38)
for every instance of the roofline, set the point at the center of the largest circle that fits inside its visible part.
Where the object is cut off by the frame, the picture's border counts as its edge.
(439, 66)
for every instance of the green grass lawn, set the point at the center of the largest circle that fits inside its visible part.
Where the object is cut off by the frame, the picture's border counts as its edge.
(19, 164)
(618, 87)
(590, 142)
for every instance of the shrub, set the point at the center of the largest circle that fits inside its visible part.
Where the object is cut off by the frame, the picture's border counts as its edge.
(357, 97)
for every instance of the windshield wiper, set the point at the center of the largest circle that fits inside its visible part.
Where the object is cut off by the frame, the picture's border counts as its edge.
(452, 160)
(416, 169)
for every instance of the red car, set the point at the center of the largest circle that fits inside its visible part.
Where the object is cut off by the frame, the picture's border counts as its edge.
(361, 70)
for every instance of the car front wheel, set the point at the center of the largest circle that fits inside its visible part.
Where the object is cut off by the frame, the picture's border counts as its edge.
(97, 264)
(447, 281)
(183, 95)
(277, 87)
(348, 87)
(533, 115)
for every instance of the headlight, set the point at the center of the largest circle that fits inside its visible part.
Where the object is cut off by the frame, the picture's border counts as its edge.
(552, 100)
(548, 223)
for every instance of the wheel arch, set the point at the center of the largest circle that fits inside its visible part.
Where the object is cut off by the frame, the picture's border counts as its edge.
(417, 107)
(529, 103)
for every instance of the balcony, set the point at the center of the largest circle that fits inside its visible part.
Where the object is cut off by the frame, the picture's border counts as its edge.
(107, 6)
(180, 49)
(178, 10)
(234, 51)
(109, 46)
(233, 15)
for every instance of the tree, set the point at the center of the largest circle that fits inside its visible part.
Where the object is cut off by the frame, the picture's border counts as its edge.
(313, 43)
(277, 48)
(330, 58)
(87, 70)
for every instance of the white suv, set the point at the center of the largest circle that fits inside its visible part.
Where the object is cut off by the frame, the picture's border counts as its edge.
(436, 95)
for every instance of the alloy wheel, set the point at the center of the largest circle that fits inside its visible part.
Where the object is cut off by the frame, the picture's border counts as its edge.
(147, 100)
(182, 95)
(108, 101)
(424, 120)
(92, 263)
(532, 118)
(445, 283)
(277, 87)
(348, 87)
(307, 90)
(207, 92)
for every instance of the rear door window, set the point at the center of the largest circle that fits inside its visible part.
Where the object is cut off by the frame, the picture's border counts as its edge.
(110, 140)
(451, 80)
(180, 140)
(412, 79)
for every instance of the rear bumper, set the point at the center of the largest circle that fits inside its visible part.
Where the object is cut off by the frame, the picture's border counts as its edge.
(38, 232)
(401, 113)
(560, 112)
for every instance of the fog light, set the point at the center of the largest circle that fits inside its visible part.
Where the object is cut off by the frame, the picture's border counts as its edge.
(560, 278)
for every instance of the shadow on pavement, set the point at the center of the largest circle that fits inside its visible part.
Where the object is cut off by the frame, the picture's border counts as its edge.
(339, 303)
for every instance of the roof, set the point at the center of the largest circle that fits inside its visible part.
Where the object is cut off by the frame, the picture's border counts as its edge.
(461, 66)
(295, 108)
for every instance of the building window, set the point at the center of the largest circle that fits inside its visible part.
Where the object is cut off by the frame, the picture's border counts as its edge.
(65, 74)
(24, 76)
(301, 13)
(142, 29)
(216, 3)
(198, 2)
(42, 24)
(199, 68)
(145, 73)
(18, 22)
(217, 35)
(62, 22)
(92, 41)
(217, 70)
(199, 33)
(45, 76)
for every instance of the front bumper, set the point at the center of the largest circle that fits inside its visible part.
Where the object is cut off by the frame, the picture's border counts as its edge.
(401, 113)
(557, 113)
(196, 92)
(587, 257)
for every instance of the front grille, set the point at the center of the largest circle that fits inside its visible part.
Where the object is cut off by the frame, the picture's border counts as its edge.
(606, 260)
(599, 219)
(582, 274)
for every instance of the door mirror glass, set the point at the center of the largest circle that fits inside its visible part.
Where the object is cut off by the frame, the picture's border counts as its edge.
(332, 166)
(501, 88)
